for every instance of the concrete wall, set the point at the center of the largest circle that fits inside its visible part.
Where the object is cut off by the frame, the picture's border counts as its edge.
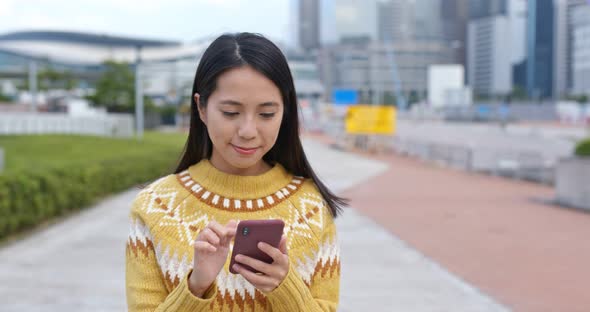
(442, 78)
(573, 182)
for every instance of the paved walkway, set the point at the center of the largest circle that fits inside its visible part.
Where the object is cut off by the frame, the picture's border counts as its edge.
(78, 264)
(502, 236)
(379, 271)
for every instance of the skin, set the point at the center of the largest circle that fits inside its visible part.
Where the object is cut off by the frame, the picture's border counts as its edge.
(245, 111)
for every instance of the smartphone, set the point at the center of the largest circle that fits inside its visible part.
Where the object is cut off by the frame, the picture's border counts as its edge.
(249, 233)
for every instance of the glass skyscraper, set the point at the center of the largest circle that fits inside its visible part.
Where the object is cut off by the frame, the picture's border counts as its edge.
(540, 49)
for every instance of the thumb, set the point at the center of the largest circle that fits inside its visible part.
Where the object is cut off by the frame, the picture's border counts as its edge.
(283, 245)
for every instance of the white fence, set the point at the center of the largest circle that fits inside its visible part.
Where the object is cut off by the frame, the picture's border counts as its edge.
(525, 152)
(112, 125)
(520, 164)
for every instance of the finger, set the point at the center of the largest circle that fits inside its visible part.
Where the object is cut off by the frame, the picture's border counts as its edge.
(259, 281)
(220, 231)
(283, 245)
(201, 246)
(209, 236)
(231, 227)
(232, 224)
(217, 228)
(225, 234)
(255, 264)
(274, 253)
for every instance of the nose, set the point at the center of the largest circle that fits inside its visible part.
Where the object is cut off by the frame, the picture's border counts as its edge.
(247, 129)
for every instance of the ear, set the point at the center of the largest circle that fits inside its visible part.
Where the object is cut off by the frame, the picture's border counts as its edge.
(201, 109)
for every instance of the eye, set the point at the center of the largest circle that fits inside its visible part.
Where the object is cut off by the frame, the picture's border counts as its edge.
(230, 114)
(267, 115)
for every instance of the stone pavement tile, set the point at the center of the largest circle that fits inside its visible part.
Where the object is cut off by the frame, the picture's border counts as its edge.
(75, 265)
(379, 271)
(499, 235)
(382, 273)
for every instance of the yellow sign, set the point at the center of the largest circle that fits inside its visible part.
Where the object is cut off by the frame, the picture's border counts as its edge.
(370, 119)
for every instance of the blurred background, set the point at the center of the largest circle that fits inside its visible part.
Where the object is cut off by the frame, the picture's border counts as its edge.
(95, 99)
(530, 54)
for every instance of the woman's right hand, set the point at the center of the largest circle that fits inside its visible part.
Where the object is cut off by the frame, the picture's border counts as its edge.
(211, 250)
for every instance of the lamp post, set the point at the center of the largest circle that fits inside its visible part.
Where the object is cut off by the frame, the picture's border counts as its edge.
(138, 95)
(33, 84)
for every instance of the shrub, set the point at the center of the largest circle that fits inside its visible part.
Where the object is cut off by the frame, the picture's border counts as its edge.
(583, 148)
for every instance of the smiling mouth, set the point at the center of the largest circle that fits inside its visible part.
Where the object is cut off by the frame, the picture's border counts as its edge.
(243, 150)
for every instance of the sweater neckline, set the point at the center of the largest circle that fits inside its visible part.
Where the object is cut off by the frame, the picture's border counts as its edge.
(234, 192)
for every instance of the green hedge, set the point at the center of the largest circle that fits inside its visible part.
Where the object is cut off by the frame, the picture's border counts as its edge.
(583, 148)
(31, 196)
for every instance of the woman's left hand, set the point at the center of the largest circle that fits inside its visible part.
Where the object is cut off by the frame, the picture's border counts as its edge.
(273, 274)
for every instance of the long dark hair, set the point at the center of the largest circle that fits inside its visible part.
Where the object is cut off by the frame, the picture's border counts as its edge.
(234, 50)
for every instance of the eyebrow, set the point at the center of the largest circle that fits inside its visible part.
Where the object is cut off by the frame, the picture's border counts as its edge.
(236, 103)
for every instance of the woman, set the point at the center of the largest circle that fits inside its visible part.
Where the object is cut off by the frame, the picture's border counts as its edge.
(243, 160)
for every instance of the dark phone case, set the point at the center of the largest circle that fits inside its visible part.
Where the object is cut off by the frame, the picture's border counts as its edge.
(268, 231)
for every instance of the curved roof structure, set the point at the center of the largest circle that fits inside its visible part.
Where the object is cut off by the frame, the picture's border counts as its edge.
(91, 49)
(84, 38)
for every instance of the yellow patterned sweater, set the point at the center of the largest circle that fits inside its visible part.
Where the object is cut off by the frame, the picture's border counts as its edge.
(166, 218)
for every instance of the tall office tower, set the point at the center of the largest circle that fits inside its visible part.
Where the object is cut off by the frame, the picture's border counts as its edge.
(455, 16)
(540, 49)
(485, 8)
(581, 49)
(569, 72)
(489, 68)
(309, 24)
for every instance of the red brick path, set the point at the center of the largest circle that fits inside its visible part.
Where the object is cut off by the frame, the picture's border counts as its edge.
(497, 234)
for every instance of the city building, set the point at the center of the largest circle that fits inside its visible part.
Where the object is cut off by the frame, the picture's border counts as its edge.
(486, 8)
(571, 6)
(309, 24)
(540, 49)
(581, 50)
(489, 65)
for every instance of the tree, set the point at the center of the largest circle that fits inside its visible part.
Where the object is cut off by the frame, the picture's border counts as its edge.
(518, 93)
(582, 99)
(4, 98)
(52, 79)
(115, 89)
(413, 97)
(49, 78)
(388, 98)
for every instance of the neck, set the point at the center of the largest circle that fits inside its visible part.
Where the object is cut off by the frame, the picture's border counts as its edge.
(220, 164)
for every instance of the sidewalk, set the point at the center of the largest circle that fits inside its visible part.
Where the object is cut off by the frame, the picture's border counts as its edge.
(380, 272)
(78, 264)
(502, 236)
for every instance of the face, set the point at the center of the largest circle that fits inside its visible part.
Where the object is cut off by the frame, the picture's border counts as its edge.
(243, 117)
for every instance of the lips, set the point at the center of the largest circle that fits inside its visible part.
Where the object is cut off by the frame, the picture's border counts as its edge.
(245, 150)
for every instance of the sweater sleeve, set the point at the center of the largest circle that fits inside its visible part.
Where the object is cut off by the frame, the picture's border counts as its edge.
(145, 287)
(322, 294)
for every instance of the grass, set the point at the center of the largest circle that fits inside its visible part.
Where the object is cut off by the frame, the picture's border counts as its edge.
(34, 152)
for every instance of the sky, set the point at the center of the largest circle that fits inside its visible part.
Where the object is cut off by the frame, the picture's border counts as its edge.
(179, 20)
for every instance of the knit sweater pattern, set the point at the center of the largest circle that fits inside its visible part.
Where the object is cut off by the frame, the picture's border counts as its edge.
(166, 218)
